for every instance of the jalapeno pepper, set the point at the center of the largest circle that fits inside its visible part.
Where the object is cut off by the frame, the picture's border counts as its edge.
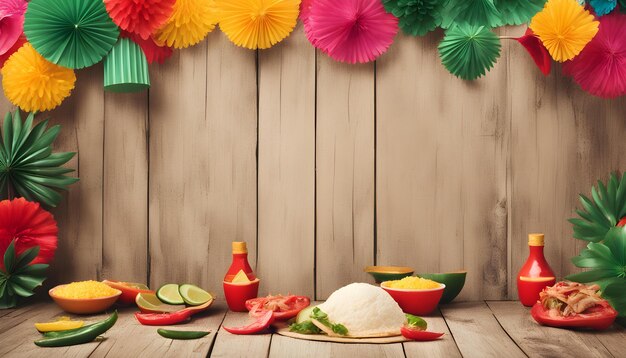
(181, 334)
(79, 335)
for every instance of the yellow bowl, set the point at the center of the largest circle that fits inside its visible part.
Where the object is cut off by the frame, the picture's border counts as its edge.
(84, 305)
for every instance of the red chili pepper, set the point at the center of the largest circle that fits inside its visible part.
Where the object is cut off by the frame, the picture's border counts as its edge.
(418, 334)
(165, 319)
(261, 323)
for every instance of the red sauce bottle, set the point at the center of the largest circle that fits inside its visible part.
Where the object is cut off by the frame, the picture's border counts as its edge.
(535, 274)
(237, 293)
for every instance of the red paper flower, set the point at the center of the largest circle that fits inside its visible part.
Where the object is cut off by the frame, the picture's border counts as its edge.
(153, 52)
(351, 30)
(142, 17)
(11, 23)
(16, 46)
(29, 225)
(600, 68)
(537, 51)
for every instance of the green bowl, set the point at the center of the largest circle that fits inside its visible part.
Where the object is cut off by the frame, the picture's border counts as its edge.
(388, 273)
(454, 282)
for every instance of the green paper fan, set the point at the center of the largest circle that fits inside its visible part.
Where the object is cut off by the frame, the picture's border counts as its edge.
(473, 12)
(517, 12)
(70, 33)
(417, 17)
(126, 68)
(468, 51)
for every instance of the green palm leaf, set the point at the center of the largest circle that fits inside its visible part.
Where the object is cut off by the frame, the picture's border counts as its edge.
(19, 277)
(27, 165)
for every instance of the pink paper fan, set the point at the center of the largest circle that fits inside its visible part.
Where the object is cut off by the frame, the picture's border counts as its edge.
(153, 52)
(600, 68)
(11, 23)
(305, 9)
(142, 17)
(16, 46)
(351, 30)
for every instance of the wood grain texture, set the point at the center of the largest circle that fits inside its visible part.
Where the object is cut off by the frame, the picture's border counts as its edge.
(79, 215)
(125, 213)
(444, 347)
(345, 174)
(477, 333)
(286, 183)
(441, 168)
(229, 345)
(285, 347)
(537, 340)
(562, 141)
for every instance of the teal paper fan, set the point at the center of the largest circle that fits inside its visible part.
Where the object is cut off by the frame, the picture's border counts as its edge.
(416, 17)
(517, 12)
(468, 51)
(472, 12)
(70, 33)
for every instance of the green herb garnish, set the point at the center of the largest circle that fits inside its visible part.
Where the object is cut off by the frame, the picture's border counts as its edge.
(322, 318)
(416, 322)
(306, 327)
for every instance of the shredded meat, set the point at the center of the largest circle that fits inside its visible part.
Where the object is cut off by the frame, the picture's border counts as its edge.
(569, 298)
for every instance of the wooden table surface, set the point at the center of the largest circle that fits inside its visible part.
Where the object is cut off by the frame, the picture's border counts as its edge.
(473, 329)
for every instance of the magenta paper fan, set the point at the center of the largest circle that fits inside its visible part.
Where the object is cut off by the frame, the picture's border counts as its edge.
(351, 30)
(305, 9)
(600, 68)
(11, 22)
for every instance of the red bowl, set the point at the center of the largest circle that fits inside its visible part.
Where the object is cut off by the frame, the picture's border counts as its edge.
(416, 302)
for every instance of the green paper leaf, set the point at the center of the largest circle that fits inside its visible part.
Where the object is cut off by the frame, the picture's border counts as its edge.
(416, 17)
(468, 51)
(36, 270)
(615, 293)
(7, 301)
(26, 257)
(472, 12)
(73, 34)
(27, 283)
(9, 258)
(517, 12)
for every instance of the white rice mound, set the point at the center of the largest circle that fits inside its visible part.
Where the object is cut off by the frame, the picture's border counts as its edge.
(365, 310)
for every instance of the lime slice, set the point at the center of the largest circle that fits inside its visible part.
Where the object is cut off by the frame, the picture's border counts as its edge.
(305, 314)
(169, 294)
(194, 295)
(149, 302)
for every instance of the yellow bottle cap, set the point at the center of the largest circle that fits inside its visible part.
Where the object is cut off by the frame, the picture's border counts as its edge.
(535, 239)
(239, 247)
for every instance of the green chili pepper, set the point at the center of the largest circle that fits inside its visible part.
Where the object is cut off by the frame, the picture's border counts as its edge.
(167, 333)
(78, 336)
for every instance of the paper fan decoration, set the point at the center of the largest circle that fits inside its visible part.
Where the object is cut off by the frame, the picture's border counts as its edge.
(70, 33)
(468, 51)
(517, 12)
(34, 84)
(472, 12)
(154, 52)
(600, 69)
(351, 31)
(417, 17)
(305, 9)
(16, 46)
(142, 17)
(189, 24)
(603, 7)
(564, 27)
(537, 51)
(126, 68)
(11, 23)
(29, 225)
(258, 24)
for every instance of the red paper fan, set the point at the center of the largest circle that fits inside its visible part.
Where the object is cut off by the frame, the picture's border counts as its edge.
(351, 30)
(305, 9)
(153, 52)
(29, 225)
(600, 68)
(11, 23)
(537, 51)
(16, 46)
(142, 17)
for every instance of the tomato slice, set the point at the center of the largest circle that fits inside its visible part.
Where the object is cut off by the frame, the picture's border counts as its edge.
(419, 335)
(262, 322)
(598, 317)
(284, 307)
(129, 290)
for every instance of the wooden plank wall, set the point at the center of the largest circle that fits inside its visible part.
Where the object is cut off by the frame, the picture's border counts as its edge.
(324, 168)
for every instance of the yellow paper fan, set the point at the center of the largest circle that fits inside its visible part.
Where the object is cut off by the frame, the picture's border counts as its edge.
(257, 23)
(565, 28)
(189, 24)
(34, 84)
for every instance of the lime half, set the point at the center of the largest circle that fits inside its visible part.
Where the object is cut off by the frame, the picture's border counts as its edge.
(194, 295)
(169, 294)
